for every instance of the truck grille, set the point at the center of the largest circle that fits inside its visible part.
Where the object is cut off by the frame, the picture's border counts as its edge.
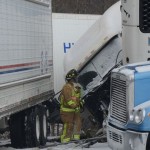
(145, 16)
(118, 100)
(115, 137)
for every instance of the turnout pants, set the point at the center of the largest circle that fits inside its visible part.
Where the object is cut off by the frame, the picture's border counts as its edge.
(77, 126)
(68, 122)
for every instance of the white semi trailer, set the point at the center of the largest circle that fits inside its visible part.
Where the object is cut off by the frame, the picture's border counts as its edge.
(26, 69)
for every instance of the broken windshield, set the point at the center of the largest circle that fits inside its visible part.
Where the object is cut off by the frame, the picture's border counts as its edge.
(109, 56)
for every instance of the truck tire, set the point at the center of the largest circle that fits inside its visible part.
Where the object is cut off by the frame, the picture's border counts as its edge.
(43, 125)
(48, 123)
(33, 128)
(17, 130)
(148, 142)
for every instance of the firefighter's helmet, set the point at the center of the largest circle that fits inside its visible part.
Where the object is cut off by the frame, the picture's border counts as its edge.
(72, 74)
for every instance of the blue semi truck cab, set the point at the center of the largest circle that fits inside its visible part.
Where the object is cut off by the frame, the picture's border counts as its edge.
(129, 113)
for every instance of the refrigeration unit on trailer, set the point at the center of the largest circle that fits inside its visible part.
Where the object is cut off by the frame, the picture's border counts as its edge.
(129, 114)
(26, 69)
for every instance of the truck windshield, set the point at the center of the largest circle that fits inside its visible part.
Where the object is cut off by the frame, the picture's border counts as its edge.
(93, 73)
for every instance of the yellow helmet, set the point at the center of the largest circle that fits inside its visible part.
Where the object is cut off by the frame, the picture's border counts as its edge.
(72, 74)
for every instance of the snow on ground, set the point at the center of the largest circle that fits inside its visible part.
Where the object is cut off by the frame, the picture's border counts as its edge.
(71, 146)
(97, 146)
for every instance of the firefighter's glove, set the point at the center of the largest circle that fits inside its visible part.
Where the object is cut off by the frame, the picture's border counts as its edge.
(82, 102)
(77, 89)
(77, 109)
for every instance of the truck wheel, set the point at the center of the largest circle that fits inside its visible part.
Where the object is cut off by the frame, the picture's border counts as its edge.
(148, 142)
(17, 130)
(33, 128)
(48, 124)
(43, 125)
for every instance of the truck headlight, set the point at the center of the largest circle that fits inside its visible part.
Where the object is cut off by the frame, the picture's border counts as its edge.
(131, 117)
(139, 116)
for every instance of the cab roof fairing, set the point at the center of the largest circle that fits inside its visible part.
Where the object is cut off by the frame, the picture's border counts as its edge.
(104, 29)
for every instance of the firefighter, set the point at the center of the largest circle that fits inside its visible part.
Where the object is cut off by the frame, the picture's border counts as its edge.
(69, 104)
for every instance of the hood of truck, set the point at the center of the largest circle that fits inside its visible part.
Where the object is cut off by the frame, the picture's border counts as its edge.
(135, 68)
(94, 39)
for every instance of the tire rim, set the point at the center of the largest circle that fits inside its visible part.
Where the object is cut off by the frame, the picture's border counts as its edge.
(47, 113)
(44, 126)
(37, 128)
(48, 124)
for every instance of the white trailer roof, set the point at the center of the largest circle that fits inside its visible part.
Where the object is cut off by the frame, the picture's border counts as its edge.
(94, 39)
